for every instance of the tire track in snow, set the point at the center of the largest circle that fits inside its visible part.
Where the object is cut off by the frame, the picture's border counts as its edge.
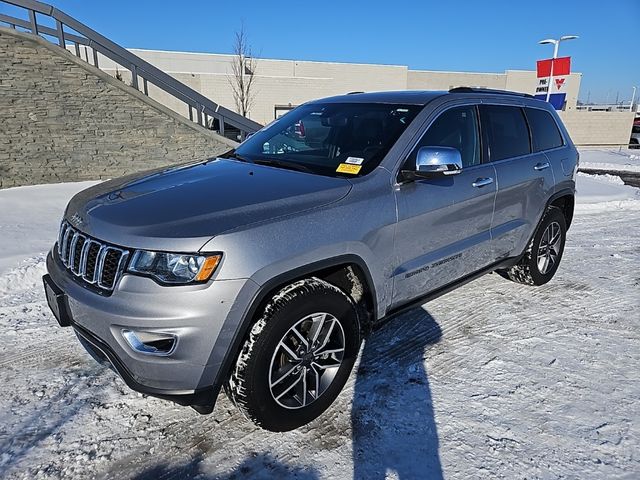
(37, 427)
(46, 351)
(54, 346)
(603, 304)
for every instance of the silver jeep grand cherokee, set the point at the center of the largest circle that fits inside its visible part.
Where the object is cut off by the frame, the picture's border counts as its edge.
(261, 270)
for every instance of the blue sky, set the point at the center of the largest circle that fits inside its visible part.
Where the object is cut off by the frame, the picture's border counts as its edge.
(479, 36)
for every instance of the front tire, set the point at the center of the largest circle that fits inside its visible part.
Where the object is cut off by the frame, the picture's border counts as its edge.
(542, 257)
(298, 356)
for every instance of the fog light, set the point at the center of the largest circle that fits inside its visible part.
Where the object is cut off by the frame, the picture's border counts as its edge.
(151, 343)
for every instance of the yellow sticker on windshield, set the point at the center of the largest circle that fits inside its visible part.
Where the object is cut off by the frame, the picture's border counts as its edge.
(347, 168)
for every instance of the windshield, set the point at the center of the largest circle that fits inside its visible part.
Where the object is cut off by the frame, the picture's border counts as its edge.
(335, 139)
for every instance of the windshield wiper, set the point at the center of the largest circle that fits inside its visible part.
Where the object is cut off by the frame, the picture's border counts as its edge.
(283, 164)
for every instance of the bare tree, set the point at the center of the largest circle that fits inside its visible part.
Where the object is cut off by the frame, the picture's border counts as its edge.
(243, 73)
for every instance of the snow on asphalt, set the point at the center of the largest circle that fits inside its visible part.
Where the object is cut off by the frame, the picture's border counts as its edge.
(600, 193)
(28, 216)
(622, 160)
(493, 380)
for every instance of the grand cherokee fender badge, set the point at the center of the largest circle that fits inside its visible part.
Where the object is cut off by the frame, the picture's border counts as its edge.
(435, 264)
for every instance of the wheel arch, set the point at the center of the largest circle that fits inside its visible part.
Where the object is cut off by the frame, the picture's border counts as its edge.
(565, 201)
(348, 272)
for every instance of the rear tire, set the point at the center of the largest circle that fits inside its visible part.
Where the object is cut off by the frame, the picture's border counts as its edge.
(298, 356)
(543, 255)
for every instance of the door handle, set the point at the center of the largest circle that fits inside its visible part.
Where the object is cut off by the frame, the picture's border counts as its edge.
(481, 182)
(541, 166)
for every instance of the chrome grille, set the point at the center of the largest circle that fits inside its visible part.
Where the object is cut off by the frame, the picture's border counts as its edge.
(95, 262)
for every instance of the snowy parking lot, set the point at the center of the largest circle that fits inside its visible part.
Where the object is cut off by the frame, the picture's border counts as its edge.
(493, 380)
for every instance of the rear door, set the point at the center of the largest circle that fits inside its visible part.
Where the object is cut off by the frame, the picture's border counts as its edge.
(546, 137)
(443, 231)
(525, 177)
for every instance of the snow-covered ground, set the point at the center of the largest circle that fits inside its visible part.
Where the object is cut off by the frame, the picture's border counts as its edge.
(28, 215)
(623, 160)
(494, 380)
(599, 193)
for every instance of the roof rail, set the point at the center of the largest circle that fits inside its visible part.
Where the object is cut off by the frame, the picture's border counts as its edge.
(353, 93)
(488, 90)
(202, 110)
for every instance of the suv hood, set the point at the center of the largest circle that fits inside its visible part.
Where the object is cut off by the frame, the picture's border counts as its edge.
(181, 208)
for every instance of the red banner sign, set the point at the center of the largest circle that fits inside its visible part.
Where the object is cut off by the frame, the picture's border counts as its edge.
(561, 66)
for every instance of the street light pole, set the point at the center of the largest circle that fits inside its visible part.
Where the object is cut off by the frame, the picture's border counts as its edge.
(556, 47)
(633, 99)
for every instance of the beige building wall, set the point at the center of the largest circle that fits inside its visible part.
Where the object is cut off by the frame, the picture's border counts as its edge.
(598, 128)
(524, 81)
(429, 80)
(277, 82)
(291, 82)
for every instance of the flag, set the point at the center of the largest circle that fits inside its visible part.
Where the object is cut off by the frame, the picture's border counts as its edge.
(553, 74)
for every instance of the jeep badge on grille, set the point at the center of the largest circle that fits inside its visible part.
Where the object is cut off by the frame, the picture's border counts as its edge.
(76, 220)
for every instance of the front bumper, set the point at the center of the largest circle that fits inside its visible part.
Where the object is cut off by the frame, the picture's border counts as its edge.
(194, 314)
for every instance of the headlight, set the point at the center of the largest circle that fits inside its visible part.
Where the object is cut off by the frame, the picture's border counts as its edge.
(174, 268)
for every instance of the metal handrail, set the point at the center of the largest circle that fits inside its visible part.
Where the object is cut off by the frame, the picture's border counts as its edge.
(206, 110)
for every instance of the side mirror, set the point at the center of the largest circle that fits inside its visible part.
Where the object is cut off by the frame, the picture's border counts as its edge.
(434, 162)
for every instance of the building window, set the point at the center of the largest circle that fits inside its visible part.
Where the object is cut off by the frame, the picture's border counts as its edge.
(280, 110)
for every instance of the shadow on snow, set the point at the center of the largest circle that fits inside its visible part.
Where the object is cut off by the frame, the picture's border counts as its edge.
(393, 425)
(260, 466)
(392, 416)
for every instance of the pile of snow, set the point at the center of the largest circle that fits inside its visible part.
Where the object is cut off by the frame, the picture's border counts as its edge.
(29, 219)
(623, 160)
(24, 277)
(597, 193)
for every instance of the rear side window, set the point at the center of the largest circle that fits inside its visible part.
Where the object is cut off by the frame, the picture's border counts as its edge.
(505, 131)
(544, 131)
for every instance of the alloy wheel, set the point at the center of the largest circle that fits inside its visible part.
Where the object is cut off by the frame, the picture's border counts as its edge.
(306, 360)
(549, 248)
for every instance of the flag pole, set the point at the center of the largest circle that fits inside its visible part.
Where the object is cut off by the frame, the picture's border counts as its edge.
(553, 61)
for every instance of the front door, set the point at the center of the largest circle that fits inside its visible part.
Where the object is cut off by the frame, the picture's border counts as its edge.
(444, 224)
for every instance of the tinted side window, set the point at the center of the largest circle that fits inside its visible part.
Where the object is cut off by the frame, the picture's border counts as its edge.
(505, 131)
(544, 131)
(456, 128)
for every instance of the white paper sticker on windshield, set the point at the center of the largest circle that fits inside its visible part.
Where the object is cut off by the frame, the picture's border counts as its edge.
(354, 160)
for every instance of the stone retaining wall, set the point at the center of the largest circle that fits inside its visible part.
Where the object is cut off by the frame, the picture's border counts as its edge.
(63, 120)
